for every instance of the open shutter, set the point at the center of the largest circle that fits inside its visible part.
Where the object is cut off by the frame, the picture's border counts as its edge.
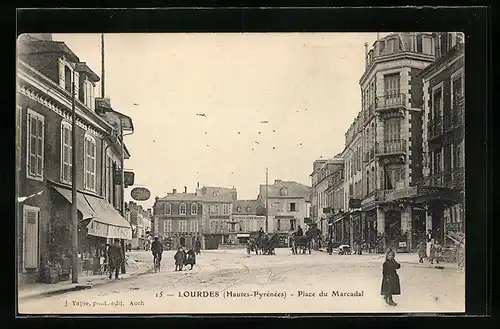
(40, 146)
(62, 82)
(31, 218)
(77, 84)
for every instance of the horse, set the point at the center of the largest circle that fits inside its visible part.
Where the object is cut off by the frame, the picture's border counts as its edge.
(252, 246)
(302, 243)
(267, 244)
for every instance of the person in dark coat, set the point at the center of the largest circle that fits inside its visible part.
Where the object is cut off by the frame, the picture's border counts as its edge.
(422, 252)
(157, 249)
(197, 246)
(179, 259)
(261, 232)
(191, 258)
(115, 258)
(299, 231)
(390, 278)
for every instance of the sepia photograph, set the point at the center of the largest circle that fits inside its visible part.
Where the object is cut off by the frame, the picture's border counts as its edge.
(207, 173)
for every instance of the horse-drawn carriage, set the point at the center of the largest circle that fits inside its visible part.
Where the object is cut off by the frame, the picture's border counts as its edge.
(265, 244)
(301, 244)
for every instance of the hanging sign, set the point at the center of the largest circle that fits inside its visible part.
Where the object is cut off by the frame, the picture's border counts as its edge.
(140, 194)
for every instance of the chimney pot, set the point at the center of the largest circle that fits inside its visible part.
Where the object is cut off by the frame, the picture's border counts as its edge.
(174, 191)
(185, 189)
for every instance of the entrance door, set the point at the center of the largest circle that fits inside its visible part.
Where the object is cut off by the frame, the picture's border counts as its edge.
(393, 227)
(183, 241)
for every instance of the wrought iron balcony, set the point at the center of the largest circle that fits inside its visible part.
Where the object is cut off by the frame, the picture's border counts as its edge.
(434, 128)
(449, 179)
(390, 102)
(397, 147)
(447, 122)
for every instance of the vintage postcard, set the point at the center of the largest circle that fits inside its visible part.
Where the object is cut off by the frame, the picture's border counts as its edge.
(244, 173)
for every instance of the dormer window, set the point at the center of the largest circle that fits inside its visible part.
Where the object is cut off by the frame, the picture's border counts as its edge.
(86, 94)
(66, 76)
(182, 209)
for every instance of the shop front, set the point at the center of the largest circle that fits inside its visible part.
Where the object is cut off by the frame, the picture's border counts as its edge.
(98, 224)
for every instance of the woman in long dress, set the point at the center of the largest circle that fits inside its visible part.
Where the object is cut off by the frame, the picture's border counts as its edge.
(390, 278)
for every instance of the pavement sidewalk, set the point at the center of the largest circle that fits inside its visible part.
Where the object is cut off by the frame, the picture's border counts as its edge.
(135, 267)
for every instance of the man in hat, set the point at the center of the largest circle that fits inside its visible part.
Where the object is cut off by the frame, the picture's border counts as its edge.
(115, 258)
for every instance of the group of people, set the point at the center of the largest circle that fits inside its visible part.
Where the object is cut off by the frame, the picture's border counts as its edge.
(434, 252)
(182, 257)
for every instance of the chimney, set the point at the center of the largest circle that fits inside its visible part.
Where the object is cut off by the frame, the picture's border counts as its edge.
(198, 185)
(174, 191)
(185, 189)
(277, 181)
(366, 54)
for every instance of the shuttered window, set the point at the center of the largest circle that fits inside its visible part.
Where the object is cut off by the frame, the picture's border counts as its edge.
(31, 217)
(90, 163)
(66, 150)
(35, 145)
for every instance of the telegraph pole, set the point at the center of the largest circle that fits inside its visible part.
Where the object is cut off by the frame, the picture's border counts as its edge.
(74, 210)
(267, 200)
(102, 65)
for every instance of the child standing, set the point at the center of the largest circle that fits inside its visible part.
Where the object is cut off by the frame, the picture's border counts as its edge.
(390, 279)
(422, 252)
(179, 259)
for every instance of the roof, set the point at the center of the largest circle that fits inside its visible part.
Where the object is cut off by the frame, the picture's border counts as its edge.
(113, 117)
(32, 46)
(294, 190)
(247, 207)
(452, 53)
(82, 67)
(181, 197)
(218, 194)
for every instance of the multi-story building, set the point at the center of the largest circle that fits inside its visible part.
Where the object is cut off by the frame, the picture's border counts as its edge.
(389, 130)
(443, 137)
(248, 218)
(288, 206)
(336, 222)
(140, 220)
(46, 73)
(179, 218)
(322, 192)
(217, 215)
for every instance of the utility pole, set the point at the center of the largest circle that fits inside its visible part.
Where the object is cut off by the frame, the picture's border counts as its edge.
(102, 65)
(122, 194)
(74, 210)
(267, 200)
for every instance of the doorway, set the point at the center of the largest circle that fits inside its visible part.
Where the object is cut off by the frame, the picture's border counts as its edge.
(183, 241)
(393, 227)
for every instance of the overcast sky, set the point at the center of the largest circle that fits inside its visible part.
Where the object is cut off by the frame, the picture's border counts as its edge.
(304, 84)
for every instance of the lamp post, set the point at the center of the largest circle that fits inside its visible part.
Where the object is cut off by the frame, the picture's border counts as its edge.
(74, 210)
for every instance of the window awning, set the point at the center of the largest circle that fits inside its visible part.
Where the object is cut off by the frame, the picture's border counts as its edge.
(81, 204)
(108, 222)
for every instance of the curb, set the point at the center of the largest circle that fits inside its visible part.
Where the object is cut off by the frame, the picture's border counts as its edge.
(85, 286)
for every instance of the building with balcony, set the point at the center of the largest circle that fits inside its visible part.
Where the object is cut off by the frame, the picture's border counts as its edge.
(390, 130)
(179, 218)
(248, 218)
(46, 73)
(444, 137)
(323, 196)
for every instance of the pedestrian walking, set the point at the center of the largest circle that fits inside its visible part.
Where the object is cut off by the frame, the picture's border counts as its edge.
(390, 279)
(115, 258)
(197, 246)
(433, 254)
(191, 258)
(422, 251)
(179, 259)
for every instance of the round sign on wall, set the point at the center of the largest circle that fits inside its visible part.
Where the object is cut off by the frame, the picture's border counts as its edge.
(140, 194)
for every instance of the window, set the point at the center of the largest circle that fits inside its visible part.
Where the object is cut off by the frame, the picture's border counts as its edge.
(89, 94)
(67, 78)
(226, 209)
(214, 209)
(391, 86)
(19, 118)
(392, 45)
(194, 209)
(457, 89)
(167, 209)
(238, 209)
(437, 103)
(66, 149)
(194, 226)
(35, 147)
(242, 225)
(293, 207)
(457, 157)
(182, 209)
(31, 218)
(167, 225)
(249, 209)
(392, 129)
(278, 224)
(437, 163)
(90, 163)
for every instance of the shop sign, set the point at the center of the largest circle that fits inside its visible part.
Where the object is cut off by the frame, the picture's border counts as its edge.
(98, 229)
(119, 232)
(140, 194)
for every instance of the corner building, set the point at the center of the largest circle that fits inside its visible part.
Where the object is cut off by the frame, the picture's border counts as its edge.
(390, 129)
